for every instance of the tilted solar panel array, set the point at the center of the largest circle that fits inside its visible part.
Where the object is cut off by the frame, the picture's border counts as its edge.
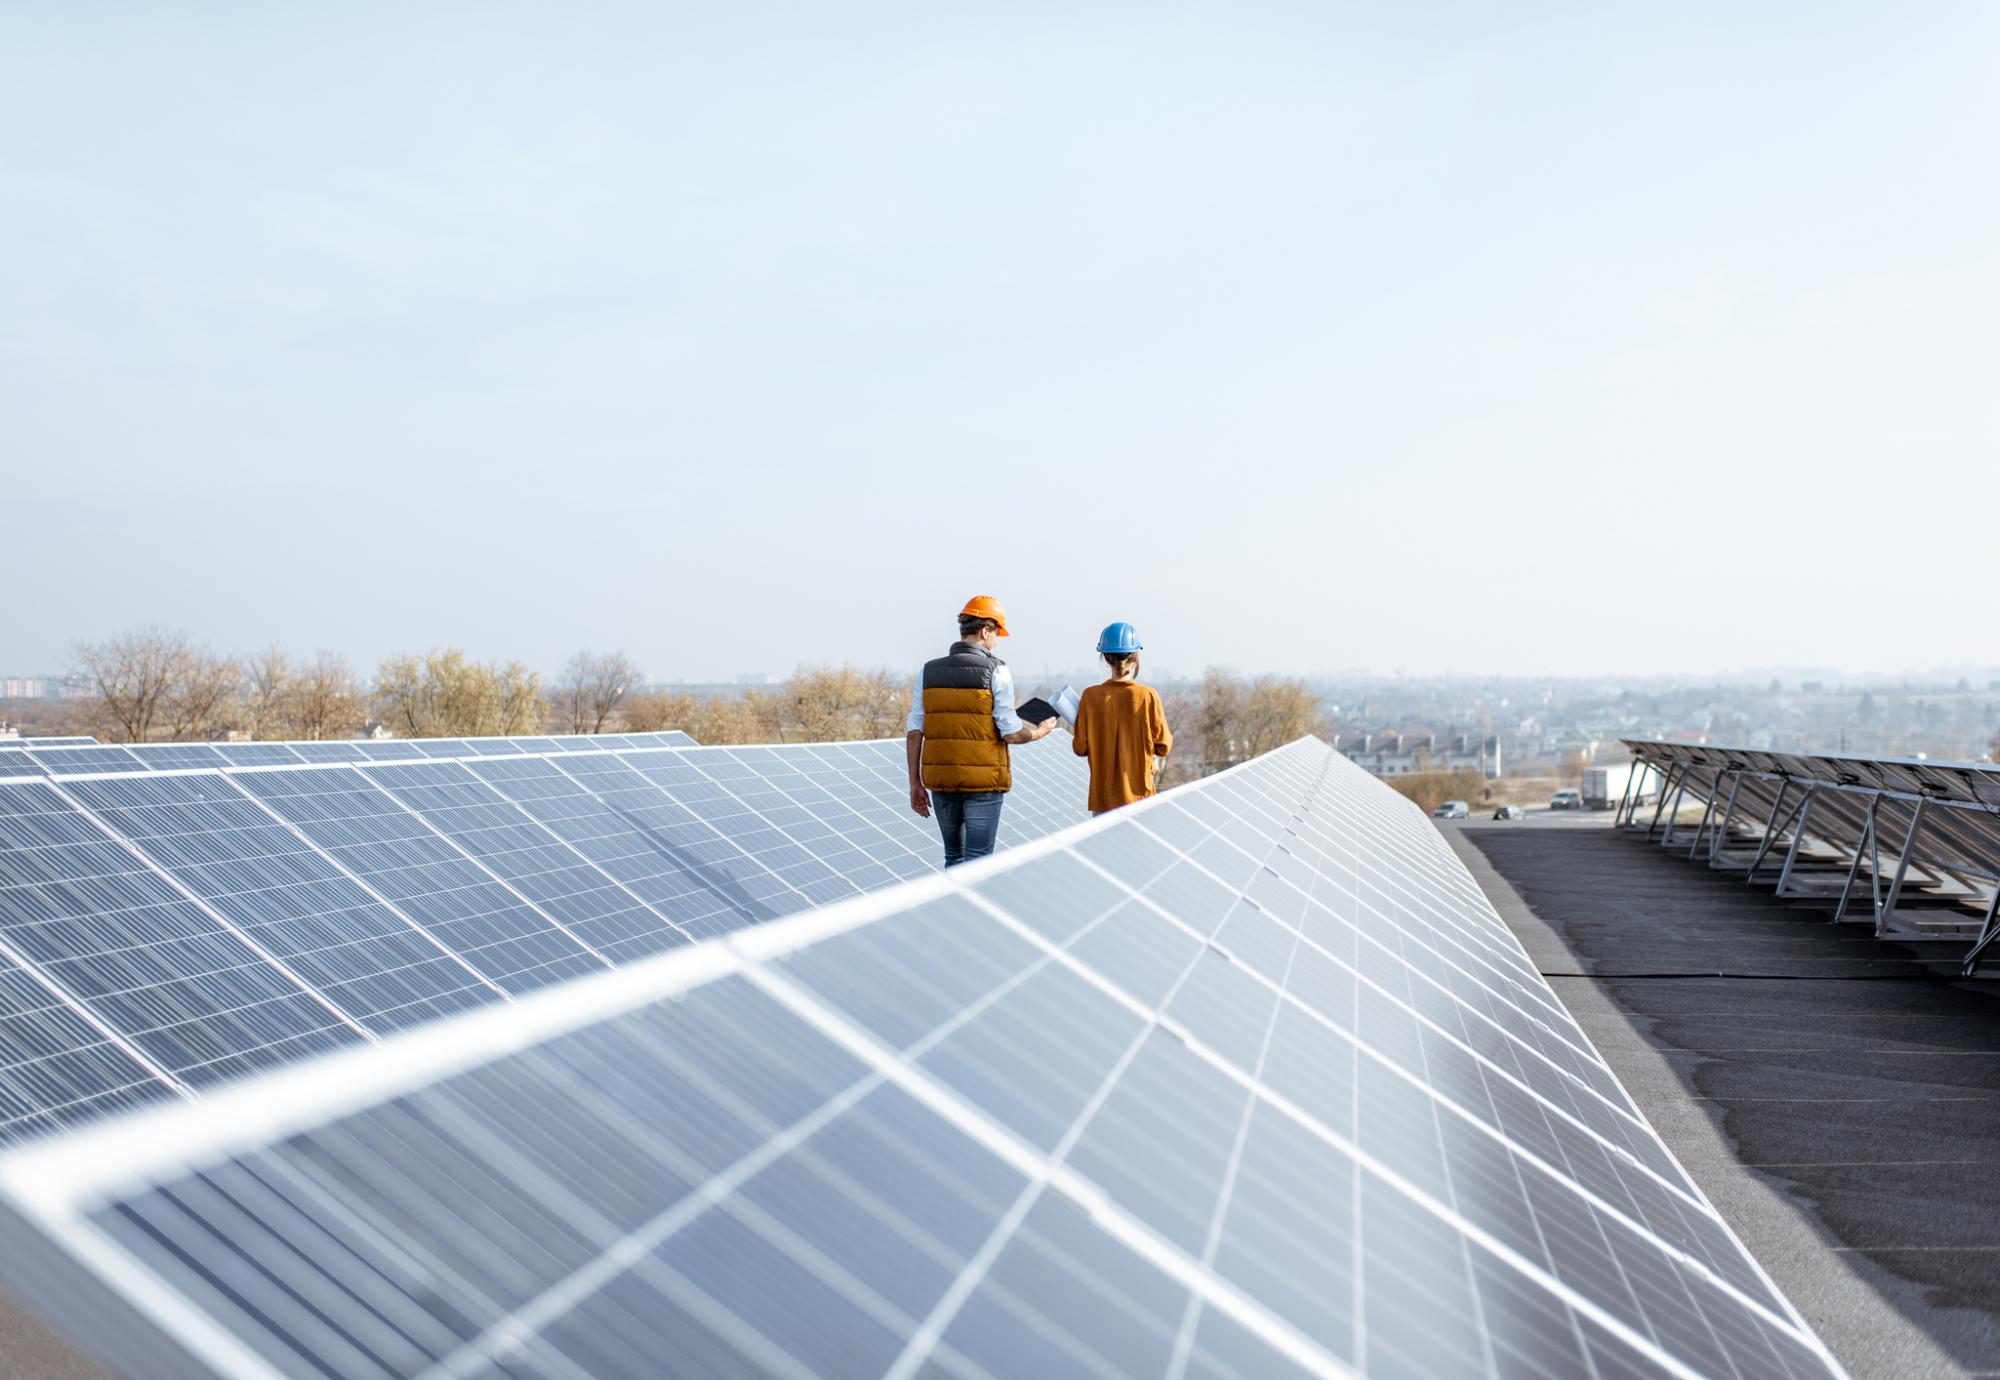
(1245, 1081)
(45, 756)
(164, 930)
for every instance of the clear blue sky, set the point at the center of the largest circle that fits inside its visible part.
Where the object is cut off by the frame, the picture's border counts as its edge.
(1305, 336)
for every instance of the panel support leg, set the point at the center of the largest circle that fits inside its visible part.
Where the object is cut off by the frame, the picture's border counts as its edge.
(1798, 837)
(1666, 789)
(1707, 809)
(1986, 934)
(1674, 814)
(1618, 816)
(1860, 850)
(1770, 828)
(1716, 840)
(1902, 867)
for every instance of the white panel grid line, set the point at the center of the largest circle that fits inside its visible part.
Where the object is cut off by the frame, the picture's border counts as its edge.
(592, 785)
(531, 822)
(283, 888)
(1184, 1339)
(455, 856)
(1397, 894)
(1002, 1142)
(975, 1122)
(314, 994)
(711, 1192)
(804, 902)
(102, 1156)
(1563, 1023)
(60, 1196)
(1222, 1064)
(961, 1289)
(480, 865)
(532, 826)
(1447, 930)
(380, 899)
(76, 1006)
(1431, 1024)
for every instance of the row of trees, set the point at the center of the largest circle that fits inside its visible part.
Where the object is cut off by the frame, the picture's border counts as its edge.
(156, 684)
(153, 684)
(819, 704)
(1230, 720)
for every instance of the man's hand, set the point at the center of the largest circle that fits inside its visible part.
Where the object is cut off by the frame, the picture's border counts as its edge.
(920, 801)
(1047, 726)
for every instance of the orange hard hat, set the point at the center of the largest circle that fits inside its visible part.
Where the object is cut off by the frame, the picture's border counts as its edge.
(985, 606)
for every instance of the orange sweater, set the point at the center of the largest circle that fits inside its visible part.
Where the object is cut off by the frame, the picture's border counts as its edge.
(1122, 729)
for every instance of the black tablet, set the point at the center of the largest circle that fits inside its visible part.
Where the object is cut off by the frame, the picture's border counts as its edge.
(1037, 711)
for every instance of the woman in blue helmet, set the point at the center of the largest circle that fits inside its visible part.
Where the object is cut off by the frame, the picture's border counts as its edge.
(1120, 725)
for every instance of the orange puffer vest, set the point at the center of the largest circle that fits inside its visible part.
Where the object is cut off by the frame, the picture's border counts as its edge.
(962, 748)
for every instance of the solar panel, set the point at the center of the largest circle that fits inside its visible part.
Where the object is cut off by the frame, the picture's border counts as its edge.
(214, 920)
(379, 970)
(134, 953)
(1906, 845)
(1244, 1081)
(76, 759)
(393, 852)
(61, 756)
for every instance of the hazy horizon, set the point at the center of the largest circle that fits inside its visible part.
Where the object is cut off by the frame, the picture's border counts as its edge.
(1527, 337)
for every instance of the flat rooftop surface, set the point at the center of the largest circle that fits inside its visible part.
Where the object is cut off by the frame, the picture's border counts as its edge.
(1840, 1103)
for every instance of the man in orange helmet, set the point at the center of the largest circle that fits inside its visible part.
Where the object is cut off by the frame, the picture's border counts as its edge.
(961, 720)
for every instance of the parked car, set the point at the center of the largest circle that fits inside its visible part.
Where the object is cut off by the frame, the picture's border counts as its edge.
(1451, 809)
(1566, 800)
(1510, 812)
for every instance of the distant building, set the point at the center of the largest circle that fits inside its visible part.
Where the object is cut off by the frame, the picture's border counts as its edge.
(23, 688)
(1402, 754)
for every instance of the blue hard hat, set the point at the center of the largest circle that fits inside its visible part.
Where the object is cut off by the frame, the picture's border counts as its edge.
(1119, 639)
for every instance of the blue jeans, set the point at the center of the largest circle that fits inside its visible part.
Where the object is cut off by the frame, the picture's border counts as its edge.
(969, 821)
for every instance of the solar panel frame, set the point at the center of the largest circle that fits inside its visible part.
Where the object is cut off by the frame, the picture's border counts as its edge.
(193, 996)
(371, 961)
(910, 994)
(383, 918)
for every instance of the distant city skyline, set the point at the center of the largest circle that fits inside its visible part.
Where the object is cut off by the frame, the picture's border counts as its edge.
(1535, 338)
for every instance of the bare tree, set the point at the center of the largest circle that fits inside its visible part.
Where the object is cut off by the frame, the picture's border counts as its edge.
(646, 712)
(325, 700)
(405, 697)
(518, 701)
(823, 704)
(590, 688)
(151, 681)
(1234, 721)
(130, 677)
(1277, 712)
(267, 685)
(203, 702)
(443, 695)
(1218, 718)
(818, 704)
